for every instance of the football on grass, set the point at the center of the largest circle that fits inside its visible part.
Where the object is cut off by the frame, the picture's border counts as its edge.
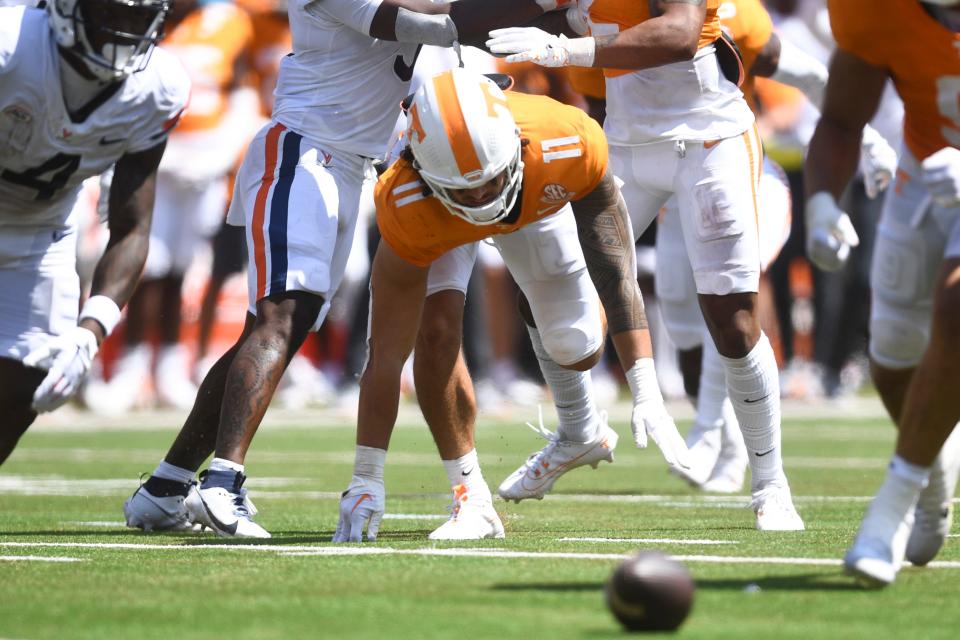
(650, 591)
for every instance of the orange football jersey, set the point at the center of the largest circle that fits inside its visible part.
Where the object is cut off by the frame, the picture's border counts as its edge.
(564, 159)
(921, 56)
(612, 16)
(209, 42)
(587, 81)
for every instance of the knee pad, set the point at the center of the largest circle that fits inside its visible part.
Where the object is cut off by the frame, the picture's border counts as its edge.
(898, 338)
(569, 345)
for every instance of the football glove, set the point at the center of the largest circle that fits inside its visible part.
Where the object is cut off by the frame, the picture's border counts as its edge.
(878, 162)
(67, 359)
(362, 504)
(941, 175)
(529, 44)
(650, 418)
(830, 233)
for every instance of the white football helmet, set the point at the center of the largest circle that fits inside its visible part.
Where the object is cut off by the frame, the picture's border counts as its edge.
(462, 135)
(114, 38)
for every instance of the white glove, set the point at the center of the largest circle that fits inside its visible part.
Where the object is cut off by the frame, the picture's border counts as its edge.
(67, 359)
(361, 504)
(650, 417)
(830, 233)
(529, 44)
(878, 162)
(550, 5)
(941, 175)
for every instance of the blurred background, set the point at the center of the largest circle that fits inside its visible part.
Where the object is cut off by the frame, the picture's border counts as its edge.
(191, 302)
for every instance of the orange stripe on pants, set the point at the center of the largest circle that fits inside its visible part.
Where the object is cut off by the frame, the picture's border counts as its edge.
(258, 231)
(754, 177)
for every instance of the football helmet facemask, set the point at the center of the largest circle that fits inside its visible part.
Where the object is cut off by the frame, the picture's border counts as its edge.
(463, 136)
(114, 38)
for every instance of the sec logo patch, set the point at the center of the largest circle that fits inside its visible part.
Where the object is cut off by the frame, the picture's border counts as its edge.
(554, 193)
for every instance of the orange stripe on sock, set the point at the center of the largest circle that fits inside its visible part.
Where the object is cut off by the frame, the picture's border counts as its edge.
(257, 231)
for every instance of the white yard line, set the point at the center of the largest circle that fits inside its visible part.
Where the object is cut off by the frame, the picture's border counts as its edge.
(305, 550)
(650, 540)
(39, 559)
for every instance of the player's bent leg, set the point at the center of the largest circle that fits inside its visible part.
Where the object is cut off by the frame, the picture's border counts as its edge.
(17, 385)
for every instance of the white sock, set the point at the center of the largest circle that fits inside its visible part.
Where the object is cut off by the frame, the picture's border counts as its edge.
(713, 387)
(465, 470)
(754, 388)
(169, 471)
(891, 512)
(572, 395)
(222, 464)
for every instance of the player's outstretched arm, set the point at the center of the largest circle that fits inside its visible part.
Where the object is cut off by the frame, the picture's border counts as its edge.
(68, 356)
(397, 290)
(851, 98)
(671, 35)
(441, 23)
(606, 236)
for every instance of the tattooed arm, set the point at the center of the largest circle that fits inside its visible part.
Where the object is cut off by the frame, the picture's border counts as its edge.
(672, 34)
(606, 236)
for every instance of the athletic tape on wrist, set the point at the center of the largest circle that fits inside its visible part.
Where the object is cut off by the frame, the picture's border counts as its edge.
(102, 309)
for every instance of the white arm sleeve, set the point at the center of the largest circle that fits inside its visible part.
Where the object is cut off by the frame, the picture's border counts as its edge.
(801, 70)
(437, 30)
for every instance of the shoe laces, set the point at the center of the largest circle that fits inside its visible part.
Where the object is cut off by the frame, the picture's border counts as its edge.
(552, 438)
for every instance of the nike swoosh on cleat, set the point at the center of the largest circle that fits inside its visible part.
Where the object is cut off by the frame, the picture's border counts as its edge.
(231, 529)
(760, 455)
(552, 472)
(104, 141)
(749, 401)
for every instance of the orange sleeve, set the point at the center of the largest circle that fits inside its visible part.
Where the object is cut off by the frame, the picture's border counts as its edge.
(397, 190)
(587, 81)
(859, 31)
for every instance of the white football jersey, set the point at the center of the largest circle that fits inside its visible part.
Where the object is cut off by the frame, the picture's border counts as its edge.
(340, 87)
(45, 154)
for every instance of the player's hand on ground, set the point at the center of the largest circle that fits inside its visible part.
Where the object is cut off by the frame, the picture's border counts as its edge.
(651, 419)
(941, 175)
(361, 506)
(830, 233)
(67, 359)
(529, 44)
(878, 162)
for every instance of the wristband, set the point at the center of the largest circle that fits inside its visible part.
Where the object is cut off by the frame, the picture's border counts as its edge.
(102, 309)
(369, 462)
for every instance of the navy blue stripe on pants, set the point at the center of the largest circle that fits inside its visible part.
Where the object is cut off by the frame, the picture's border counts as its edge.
(279, 206)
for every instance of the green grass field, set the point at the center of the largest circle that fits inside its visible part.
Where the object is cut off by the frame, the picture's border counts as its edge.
(70, 569)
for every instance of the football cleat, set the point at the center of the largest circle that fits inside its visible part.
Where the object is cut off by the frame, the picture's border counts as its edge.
(227, 511)
(934, 512)
(541, 470)
(870, 562)
(144, 510)
(774, 508)
(703, 445)
(730, 471)
(472, 517)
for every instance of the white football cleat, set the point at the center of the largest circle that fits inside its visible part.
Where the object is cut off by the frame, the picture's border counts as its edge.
(541, 470)
(934, 512)
(146, 511)
(870, 562)
(703, 446)
(774, 508)
(727, 477)
(472, 517)
(228, 513)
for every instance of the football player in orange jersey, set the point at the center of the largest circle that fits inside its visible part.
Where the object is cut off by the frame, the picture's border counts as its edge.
(914, 332)
(718, 459)
(482, 164)
(678, 126)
